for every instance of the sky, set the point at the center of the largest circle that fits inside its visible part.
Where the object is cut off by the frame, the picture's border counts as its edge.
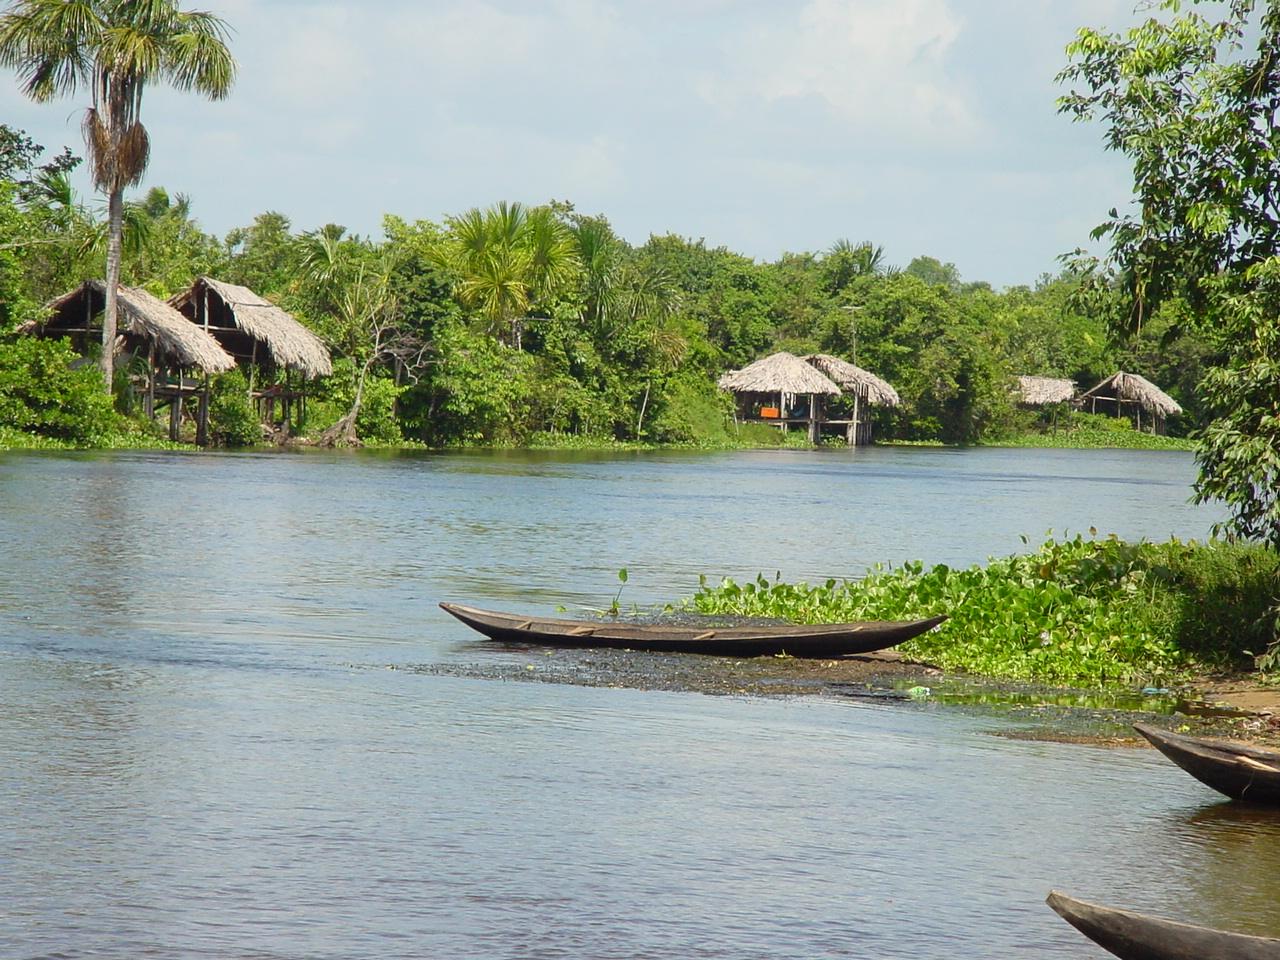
(928, 127)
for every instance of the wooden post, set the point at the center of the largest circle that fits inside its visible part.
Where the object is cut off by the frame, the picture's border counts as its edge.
(813, 418)
(202, 415)
(854, 428)
(175, 411)
(150, 404)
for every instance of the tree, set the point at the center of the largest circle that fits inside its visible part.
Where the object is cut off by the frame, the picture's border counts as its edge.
(506, 259)
(933, 271)
(846, 261)
(116, 48)
(1198, 116)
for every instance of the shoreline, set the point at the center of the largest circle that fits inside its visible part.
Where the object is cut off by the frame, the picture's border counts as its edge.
(11, 442)
(1228, 708)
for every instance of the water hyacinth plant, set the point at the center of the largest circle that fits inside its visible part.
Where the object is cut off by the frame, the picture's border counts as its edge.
(1081, 612)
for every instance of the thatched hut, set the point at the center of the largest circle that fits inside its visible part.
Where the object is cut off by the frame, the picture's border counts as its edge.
(251, 329)
(260, 335)
(1043, 391)
(1128, 394)
(148, 327)
(785, 378)
(1046, 393)
(866, 389)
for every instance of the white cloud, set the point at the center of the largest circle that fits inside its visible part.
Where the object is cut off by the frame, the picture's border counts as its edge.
(878, 63)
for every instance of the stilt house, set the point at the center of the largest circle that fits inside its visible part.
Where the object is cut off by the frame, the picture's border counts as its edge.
(780, 389)
(267, 342)
(865, 388)
(1127, 394)
(180, 357)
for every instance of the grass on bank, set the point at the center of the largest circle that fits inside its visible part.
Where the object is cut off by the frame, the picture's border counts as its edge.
(1088, 431)
(1079, 612)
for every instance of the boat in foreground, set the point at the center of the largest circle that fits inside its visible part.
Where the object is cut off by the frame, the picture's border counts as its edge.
(822, 640)
(1241, 772)
(1136, 936)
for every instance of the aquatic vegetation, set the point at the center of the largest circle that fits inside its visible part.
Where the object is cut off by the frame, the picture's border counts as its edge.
(1095, 612)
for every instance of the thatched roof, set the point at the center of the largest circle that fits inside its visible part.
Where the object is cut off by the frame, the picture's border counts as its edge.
(141, 317)
(1041, 391)
(854, 379)
(777, 373)
(231, 307)
(1131, 388)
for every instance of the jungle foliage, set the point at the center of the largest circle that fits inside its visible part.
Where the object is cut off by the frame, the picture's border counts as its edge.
(509, 323)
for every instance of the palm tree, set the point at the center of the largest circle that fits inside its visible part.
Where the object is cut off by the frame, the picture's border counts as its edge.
(846, 261)
(115, 48)
(505, 260)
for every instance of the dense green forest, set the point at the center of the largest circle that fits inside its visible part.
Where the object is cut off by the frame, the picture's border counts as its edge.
(516, 324)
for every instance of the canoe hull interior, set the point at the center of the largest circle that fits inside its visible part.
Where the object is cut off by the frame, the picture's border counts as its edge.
(1240, 772)
(1136, 936)
(822, 641)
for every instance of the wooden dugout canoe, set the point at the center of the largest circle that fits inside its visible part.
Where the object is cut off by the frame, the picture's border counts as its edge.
(1242, 773)
(823, 640)
(1136, 936)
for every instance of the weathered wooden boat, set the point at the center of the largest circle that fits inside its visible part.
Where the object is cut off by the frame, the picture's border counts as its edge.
(822, 640)
(1241, 772)
(1136, 936)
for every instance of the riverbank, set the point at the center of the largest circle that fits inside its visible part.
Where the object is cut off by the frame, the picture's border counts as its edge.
(11, 439)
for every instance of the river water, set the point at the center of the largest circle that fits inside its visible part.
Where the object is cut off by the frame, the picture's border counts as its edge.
(203, 752)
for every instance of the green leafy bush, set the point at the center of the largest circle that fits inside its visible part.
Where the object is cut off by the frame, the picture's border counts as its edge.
(46, 390)
(691, 411)
(1078, 612)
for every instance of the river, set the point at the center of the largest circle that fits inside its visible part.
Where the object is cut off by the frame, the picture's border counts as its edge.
(203, 752)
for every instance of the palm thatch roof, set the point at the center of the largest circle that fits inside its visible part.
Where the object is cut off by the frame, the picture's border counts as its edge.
(143, 319)
(1042, 391)
(778, 373)
(854, 379)
(237, 317)
(1131, 388)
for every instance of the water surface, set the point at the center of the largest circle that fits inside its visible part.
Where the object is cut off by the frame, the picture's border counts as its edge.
(203, 753)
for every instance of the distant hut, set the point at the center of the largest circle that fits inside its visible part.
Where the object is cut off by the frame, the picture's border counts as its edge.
(1047, 393)
(148, 327)
(866, 389)
(781, 378)
(1044, 391)
(260, 335)
(1127, 394)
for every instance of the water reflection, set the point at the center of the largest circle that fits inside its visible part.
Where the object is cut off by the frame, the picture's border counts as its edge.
(1233, 856)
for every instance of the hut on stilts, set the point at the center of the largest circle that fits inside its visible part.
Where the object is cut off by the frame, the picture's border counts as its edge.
(1127, 394)
(866, 389)
(265, 340)
(1050, 394)
(780, 389)
(180, 357)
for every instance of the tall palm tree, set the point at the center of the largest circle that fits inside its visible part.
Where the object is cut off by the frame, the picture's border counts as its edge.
(115, 48)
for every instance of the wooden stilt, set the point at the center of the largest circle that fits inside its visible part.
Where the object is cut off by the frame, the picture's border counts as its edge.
(175, 413)
(202, 415)
(150, 404)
